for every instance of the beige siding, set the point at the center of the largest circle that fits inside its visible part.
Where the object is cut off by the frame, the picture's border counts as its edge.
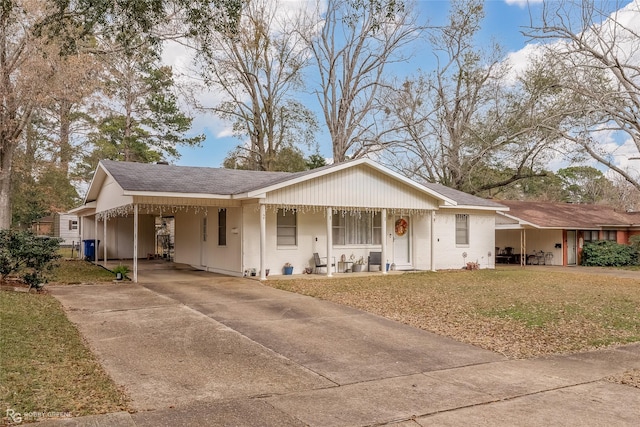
(224, 259)
(62, 228)
(188, 238)
(359, 187)
(191, 249)
(119, 239)
(111, 196)
(311, 237)
(481, 239)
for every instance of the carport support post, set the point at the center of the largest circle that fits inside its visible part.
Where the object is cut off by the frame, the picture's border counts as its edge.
(523, 247)
(329, 241)
(433, 240)
(263, 241)
(135, 243)
(104, 240)
(95, 247)
(383, 241)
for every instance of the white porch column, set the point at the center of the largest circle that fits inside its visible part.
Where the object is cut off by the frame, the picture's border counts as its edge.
(104, 240)
(263, 242)
(329, 241)
(433, 240)
(135, 243)
(82, 221)
(523, 247)
(95, 240)
(383, 231)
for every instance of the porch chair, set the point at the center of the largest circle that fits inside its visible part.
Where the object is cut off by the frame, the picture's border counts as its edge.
(319, 264)
(375, 258)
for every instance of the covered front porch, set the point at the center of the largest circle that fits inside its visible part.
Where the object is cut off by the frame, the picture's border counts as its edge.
(258, 239)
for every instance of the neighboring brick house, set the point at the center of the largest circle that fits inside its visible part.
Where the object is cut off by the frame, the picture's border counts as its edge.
(554, 233)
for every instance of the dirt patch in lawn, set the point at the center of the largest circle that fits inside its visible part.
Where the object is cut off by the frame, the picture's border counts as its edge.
(518, 313)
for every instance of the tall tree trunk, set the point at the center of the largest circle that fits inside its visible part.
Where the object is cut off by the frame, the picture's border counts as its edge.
(6, 159)
(65, 132)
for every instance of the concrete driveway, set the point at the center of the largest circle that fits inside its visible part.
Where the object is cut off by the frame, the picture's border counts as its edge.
(195, 348)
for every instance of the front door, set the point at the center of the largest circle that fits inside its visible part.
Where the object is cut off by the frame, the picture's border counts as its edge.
(571, 247)
(402, 242)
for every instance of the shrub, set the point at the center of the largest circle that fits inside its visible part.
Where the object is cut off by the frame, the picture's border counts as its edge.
(604, 253)
(634, 241)
(30, 257)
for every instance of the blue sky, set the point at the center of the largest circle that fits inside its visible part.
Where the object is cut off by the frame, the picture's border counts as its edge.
(504, 21)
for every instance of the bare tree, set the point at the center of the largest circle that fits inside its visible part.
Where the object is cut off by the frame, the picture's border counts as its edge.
(358, 41)
(258, 71)
(24, 75)
(464, 124)
(594, 49)
(624, 195)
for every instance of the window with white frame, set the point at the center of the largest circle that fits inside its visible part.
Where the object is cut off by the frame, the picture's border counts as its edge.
(222, 227)
(287, 227)
(363, 228)
(462, 229)
(73, 224)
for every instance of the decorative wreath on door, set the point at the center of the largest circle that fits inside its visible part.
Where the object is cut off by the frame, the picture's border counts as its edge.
(401, 227)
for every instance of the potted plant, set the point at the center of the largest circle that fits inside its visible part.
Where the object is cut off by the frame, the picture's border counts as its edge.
(121, 271)
(358, 265)
(287, 269)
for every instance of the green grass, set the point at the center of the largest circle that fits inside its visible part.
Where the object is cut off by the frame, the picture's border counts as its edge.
(74, 271)
(68, 253)
(45, 365)
(520, 313)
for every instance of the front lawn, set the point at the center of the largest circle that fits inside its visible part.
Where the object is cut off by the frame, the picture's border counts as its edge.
(518, 313)
(45, 366)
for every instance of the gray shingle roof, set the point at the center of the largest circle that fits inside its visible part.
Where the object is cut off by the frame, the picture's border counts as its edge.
(204, 180)
(189, 179)
(462, 198)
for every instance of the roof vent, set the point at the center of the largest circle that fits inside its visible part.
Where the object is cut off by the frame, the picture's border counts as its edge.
(162, 162)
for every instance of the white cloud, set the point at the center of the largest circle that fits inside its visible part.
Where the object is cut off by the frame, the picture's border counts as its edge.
(519, 60)
(522, 3)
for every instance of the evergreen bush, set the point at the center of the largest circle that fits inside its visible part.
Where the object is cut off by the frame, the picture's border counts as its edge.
(29, 256)
(605, 253)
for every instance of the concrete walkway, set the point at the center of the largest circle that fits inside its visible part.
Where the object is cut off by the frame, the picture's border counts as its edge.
(194, 348)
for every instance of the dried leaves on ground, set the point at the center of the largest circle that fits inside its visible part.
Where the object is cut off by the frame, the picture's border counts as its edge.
(518, 313)
(45, 365)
